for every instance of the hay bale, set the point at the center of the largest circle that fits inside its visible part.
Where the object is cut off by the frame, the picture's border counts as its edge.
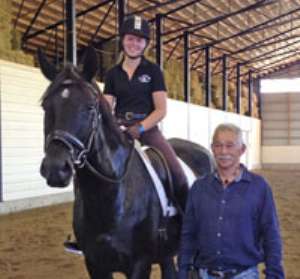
(231, 89)
(10, 40)
(22, 58)
(244, 91)
(196, 89)
(174, 79)
(16, 40)
(244, 106)
(5, 24)
(230, 107)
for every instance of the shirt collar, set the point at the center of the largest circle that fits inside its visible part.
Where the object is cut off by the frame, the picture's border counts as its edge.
(143, 62)
(243, 175)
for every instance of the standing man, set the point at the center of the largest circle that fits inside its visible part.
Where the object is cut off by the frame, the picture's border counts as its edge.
(231, 222)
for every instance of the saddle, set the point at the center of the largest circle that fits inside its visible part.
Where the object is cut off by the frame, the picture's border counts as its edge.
(160, 173)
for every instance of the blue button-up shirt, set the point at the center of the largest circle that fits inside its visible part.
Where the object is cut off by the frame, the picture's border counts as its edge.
(231, 228)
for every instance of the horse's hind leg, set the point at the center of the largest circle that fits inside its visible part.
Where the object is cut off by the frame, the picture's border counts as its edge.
(167, 267)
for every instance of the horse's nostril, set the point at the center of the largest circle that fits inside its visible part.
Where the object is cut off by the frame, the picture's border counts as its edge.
(66, 169)
(43, 169)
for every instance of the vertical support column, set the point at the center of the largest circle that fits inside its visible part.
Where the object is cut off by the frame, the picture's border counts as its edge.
(259, 97)
(238, 88)
(158, 38)
(186, 63)
(56, 48)
(250, 91)
(121, 16)
(1, 167)
(121, 13)
(71, 49)
(207, 77)
(224, 83)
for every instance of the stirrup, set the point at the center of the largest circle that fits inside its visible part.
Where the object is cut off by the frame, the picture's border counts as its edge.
(72, 247)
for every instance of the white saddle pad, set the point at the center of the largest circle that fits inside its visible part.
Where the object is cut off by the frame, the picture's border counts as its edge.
(167, 208)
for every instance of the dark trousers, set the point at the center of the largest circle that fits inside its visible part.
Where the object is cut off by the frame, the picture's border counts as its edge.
(155, 138)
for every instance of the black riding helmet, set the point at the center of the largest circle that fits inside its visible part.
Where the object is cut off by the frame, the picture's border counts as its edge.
(137, 26)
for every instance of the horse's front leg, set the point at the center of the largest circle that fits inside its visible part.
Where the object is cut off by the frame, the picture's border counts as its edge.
(141, 270)
(97, 273)
(168, 270)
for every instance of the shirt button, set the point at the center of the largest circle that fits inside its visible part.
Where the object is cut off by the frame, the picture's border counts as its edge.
(223, 201)
(219, 234)
(220, 218)
(218, 252)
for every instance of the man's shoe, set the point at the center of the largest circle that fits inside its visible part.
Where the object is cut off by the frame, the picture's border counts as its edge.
(72, 247)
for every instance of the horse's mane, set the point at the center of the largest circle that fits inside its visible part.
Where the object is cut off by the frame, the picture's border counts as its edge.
(112, 131)
(71, 74)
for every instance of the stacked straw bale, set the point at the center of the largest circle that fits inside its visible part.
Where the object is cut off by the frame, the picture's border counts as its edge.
(10, 40)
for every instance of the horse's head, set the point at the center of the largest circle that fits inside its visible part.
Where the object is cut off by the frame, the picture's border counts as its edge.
(71, 115)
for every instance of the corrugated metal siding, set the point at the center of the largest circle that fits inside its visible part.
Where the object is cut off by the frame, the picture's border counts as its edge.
(281, 119)
(22, 132)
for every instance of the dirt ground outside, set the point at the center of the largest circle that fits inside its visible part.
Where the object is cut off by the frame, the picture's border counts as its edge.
(31, 241)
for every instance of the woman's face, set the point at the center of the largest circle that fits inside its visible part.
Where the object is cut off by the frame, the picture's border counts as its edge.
(134, 46)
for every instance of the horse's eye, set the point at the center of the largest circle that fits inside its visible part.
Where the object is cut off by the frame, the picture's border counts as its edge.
(91, 107)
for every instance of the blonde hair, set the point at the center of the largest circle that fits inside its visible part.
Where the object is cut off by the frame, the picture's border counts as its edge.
(230, 128)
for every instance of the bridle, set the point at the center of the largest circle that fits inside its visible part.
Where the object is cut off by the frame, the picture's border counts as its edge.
(79, 150)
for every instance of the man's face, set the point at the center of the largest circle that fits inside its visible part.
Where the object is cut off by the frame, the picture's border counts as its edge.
(134, 46)
(227, 150)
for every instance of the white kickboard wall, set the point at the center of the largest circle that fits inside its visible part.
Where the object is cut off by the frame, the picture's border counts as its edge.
(21, 88)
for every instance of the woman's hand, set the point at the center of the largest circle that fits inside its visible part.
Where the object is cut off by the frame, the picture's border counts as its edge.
(135, 130)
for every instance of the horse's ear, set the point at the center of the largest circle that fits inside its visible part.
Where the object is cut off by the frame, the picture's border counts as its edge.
(48, 69)
(90, 63)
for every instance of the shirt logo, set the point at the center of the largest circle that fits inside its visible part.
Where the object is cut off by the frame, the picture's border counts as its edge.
(144, 78)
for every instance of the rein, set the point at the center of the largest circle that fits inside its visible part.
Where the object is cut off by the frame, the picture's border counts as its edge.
(112, 179)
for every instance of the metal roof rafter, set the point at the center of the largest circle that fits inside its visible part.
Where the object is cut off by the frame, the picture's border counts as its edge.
(262, 43)
(62, 21)
(179, 20)
(102, 22)
(257, 45)
(33, 21)
(263, 57)
(206, 23)
(275, 62)
(19, 13)
(281, 66)
(149, 8)
(246, 31)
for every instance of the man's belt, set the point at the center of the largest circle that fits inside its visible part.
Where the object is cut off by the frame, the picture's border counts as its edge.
(132, 116)
(228, 274)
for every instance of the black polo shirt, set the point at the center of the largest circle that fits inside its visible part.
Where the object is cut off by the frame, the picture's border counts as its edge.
(134, 95)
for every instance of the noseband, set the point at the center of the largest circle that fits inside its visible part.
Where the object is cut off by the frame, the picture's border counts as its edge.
(76, 147)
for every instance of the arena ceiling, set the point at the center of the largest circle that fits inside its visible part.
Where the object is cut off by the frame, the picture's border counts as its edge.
(261, 35)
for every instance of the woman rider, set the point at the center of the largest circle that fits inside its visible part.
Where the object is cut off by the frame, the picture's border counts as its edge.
(135, 88)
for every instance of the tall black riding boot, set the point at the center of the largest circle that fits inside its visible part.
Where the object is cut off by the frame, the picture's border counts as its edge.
(181, 193)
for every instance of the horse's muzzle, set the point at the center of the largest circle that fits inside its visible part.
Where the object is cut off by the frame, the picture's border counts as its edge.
(58, 173)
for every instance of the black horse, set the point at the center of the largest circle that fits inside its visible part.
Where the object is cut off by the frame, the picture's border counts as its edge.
(117, 215)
